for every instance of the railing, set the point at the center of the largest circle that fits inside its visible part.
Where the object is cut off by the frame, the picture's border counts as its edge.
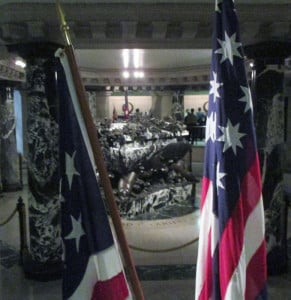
(20, 208)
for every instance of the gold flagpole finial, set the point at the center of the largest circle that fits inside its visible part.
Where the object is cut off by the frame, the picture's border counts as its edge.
(64, 26)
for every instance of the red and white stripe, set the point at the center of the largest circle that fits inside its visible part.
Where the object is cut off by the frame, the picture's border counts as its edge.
(242, 251)
(103, 279)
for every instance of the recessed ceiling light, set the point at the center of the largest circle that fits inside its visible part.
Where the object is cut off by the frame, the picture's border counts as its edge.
(125, 58)
(125, 74)
(138, 74)
(137, 58)
(21, 63)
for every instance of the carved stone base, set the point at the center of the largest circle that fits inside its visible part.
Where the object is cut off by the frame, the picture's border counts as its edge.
(12, 187)
(159, 197)
(42, 271)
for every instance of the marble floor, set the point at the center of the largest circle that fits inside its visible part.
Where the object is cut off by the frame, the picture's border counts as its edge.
(164, 251)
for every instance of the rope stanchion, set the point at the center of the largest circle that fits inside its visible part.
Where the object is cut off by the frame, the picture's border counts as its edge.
(20, 208)
(164, 250)
(9, 218)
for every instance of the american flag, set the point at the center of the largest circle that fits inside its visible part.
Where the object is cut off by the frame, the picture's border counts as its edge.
(231, 262)
(92, 265)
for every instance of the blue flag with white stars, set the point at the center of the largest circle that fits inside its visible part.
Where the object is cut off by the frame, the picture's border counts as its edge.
(231, 262)
(92, 265)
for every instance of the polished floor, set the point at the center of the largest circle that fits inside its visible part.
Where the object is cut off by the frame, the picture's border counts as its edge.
(164, 252)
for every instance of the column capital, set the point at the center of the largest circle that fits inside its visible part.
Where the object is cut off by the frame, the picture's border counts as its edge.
(269, 52)
(34, 50)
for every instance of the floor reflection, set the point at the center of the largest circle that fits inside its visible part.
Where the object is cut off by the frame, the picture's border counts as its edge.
(163, 246)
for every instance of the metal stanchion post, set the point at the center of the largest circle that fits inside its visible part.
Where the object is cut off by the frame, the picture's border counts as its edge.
(190, 160)
(22, 229)
(20, 170)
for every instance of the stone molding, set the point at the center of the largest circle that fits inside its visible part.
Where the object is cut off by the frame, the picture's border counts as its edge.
(149, 25)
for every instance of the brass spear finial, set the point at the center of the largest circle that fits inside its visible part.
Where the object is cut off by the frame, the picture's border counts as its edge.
(64, 25)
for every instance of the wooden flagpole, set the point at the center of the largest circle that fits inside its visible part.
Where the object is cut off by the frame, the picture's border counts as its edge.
(99, 159)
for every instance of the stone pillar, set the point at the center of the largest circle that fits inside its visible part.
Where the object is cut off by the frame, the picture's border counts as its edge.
(91, 96)
(177, 110)
(102, 105)
(1, 188)
(162, 104)
(42, 135)
(287, 97)
(156, 104)
(10, 159)
(2, 121)
(268, 95)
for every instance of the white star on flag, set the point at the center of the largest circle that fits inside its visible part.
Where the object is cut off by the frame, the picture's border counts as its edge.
(228, 48)
(247, 98)
(70, 168)
(77, 232)
(211, 127)
(229, 211)
(231, 136)
(219, 176)
(215, 85)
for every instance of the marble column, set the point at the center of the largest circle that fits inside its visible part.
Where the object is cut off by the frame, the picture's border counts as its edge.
(162, 103)
(287, 97)
(1, 188)
(177, 110)
(268, 95)
(92, 99)
(2, 115)
(42, 135)
(10, 159)
(102, 105)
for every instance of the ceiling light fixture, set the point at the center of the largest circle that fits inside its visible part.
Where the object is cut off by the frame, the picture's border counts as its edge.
(125, 57)
(136, 58)
(125, 74)
(138, 74)
(20, 63)
(132, 59)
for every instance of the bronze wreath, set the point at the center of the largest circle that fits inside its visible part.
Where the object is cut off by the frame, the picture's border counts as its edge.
(205, 106)
(130, 107)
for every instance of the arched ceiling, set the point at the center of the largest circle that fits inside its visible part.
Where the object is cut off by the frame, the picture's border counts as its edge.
(175, 36)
